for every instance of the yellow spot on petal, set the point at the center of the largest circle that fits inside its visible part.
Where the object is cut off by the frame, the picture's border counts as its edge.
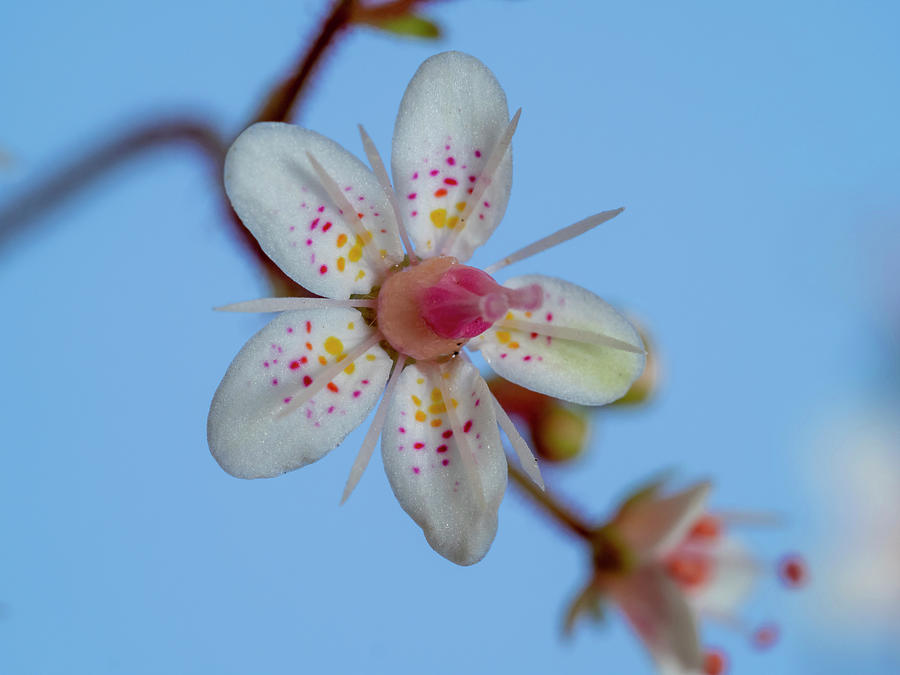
(527, 315)
(509, 316)
(368, 236)
(350, 326)
(503, 336)
(452, 221)
(439, 217)
(341, 264)
(420, 416)
(416, 400)
(513, 345)
(360, 274)
(342, 239)
(323, 360)
(382, 253)
(355, 254)
(333, 346)
(437, 408)
(419, 380)
(436, 422)
(460, 206)
(446, 376)
(370, 357)
(435, 394)
(453, 402)
(349, 369)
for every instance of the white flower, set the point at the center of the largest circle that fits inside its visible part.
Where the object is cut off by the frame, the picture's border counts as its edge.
(681, 565)
(301, 384)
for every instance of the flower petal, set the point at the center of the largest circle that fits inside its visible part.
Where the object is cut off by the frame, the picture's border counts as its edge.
(279, 197)
(733, 575)
(247, 433)
(451, 117)
(659, 613)
(653, 527)
(425, 458)
(596, 368)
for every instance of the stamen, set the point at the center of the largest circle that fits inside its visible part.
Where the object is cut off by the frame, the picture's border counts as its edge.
(381, 174)
(327, 374)
(484, 180)
(566, 333)
(466, 451)
(368, 444)
(523, 452)
(348, 213)
(554, 239)
(263, 305)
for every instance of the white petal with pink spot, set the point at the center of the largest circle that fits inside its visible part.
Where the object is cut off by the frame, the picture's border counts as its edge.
(451, 117)
(581, 372)
(422, 458)
(247, 434)
(278, 196)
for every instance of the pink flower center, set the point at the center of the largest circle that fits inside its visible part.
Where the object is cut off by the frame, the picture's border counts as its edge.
(433, 308)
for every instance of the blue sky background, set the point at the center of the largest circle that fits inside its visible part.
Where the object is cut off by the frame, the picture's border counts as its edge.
(755, 147)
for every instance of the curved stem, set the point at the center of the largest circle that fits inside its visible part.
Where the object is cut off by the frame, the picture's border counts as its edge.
(61, 184)
(281, 103)
(554, 508)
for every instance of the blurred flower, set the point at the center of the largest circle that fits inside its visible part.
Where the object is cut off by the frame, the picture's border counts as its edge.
(857, 464)
(313, 374)
(666, 561)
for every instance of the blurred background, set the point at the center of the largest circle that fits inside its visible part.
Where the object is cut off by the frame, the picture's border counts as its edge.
(755, 147)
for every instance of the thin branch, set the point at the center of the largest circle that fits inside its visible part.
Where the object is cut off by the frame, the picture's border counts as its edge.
(552, 505)
(55, 188)
(281, 103)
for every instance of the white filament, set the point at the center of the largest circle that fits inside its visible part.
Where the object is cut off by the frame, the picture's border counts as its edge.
(368, 444)
(466, 451)
(483, 181)
(523, 452)
(566, 333)
(327, 374)
(287, 304)
(348, 213)
(554, 239)
(381, 174)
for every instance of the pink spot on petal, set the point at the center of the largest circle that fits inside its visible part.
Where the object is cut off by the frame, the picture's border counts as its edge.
(419, 445)
(401, 430)
(275, 382)
(326, 226)
(442, 448)
(415, 469)
(330, 409)
(411, 195)
(477, 402)
(467, 426)
(434, 172)
(356, 393)
(307, 380)
(290, 330)
(415, 175)
(451, 161)
(549, 316)
(323, 269)
(447, 434)
(478, 153)
(445, 462)
(294, 365)
(320, 209)
(287, 399)
(309, 242)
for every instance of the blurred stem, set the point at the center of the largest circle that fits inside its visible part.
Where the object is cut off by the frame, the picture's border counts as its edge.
(56, 187)
(552, 505)
(282, 101)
